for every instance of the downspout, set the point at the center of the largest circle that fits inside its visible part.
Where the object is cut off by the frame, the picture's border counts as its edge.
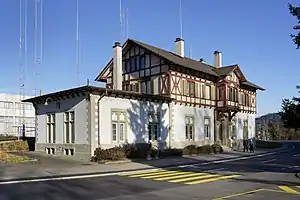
(102, 95)
(170, 124)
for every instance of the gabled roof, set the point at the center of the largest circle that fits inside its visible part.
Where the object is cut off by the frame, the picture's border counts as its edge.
(176, 59)
(184, 62)
(226, 70)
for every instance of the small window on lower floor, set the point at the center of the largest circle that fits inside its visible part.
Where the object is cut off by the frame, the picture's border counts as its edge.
(207, 130)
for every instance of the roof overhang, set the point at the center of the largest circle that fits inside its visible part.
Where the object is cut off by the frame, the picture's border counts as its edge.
(86, 90)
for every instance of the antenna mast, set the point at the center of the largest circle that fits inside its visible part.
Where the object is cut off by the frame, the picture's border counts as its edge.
(23, 55)
(77, 39)
(127, 24)
(38, 41)
(180, 17)
(121, 24)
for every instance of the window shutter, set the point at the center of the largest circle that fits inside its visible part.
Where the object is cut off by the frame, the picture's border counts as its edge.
(203, 91)
(152, 87)
(213, 92)
(196, 89)
(184, 87)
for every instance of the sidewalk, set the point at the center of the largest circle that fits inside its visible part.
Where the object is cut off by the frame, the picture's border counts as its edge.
(52, 166)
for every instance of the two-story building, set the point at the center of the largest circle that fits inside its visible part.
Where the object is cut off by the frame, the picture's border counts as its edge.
(151, 95)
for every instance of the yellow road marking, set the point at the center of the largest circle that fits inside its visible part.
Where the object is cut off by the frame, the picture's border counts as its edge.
(239, 194)
(193, 178)
(179, 176)
(153, 173)
(212, 179)
(140, 172)
(165, 175)
(289, 189)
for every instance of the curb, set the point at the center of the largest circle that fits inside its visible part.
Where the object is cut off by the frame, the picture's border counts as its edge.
(297, 175)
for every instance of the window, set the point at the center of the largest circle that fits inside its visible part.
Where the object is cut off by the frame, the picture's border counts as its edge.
(189, 88)
(245, 129)
(207, 127)
(189, 128)
(69, 127)
(233, 94)
(220, 93)
(118, 126)
(233, 129)
(51, 128)
(153, 126)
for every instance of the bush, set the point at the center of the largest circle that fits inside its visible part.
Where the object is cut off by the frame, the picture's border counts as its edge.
(207, 149)
(216, 148)
(115, 153)
(139, 150)
(190, 149)
(8, 137)
(14, 146)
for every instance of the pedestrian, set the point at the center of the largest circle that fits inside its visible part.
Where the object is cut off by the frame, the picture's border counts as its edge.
(245, 144)
(251, 146)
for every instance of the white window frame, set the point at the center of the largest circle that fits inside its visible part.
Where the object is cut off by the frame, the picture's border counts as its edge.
(189, 128)
(207, 128)
(118, 127)
(153, 127)
(69, 127)
(51, 127)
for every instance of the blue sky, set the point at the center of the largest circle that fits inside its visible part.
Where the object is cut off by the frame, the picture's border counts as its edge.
(253, 34)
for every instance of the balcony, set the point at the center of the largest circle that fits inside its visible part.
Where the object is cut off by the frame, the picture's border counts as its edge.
(228, 106)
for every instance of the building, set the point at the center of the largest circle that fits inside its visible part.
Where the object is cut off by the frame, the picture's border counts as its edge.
(12, 113)
(151, 95)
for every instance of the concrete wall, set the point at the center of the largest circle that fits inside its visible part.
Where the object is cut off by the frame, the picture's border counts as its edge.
(80, 107)
(179, 112)
(136, 118)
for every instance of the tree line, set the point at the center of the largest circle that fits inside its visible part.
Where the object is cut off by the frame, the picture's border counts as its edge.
(289, 128)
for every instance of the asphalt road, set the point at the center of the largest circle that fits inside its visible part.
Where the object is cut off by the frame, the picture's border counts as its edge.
(270, 176)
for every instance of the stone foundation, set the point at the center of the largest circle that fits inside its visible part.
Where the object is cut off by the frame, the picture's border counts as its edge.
(80, 151)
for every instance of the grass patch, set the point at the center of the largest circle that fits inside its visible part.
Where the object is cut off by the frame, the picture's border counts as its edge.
(7, 158)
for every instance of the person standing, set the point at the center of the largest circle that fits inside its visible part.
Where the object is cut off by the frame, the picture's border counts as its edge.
(245, 144)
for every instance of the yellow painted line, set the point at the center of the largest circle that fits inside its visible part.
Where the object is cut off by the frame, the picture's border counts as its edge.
(193, 178)
(165, 175)
(289, 189)
(140, 172)
(271, 190)
(239, 194)
(212, 179)
(153, 173)
(179, 176)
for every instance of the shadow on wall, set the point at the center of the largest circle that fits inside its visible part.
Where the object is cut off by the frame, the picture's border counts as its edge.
(139, 116)
(59, 106)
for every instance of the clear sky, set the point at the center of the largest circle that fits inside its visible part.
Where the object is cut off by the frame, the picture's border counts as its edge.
(254, 34)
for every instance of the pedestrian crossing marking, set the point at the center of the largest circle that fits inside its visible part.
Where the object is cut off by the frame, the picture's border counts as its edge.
(289, 189)
(212, 179)
(179, 176)
(174, 176)
(140, 172)
(154, 173)
(165, 175)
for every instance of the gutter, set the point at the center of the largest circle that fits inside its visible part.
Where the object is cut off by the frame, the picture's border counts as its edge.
(98, 103)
